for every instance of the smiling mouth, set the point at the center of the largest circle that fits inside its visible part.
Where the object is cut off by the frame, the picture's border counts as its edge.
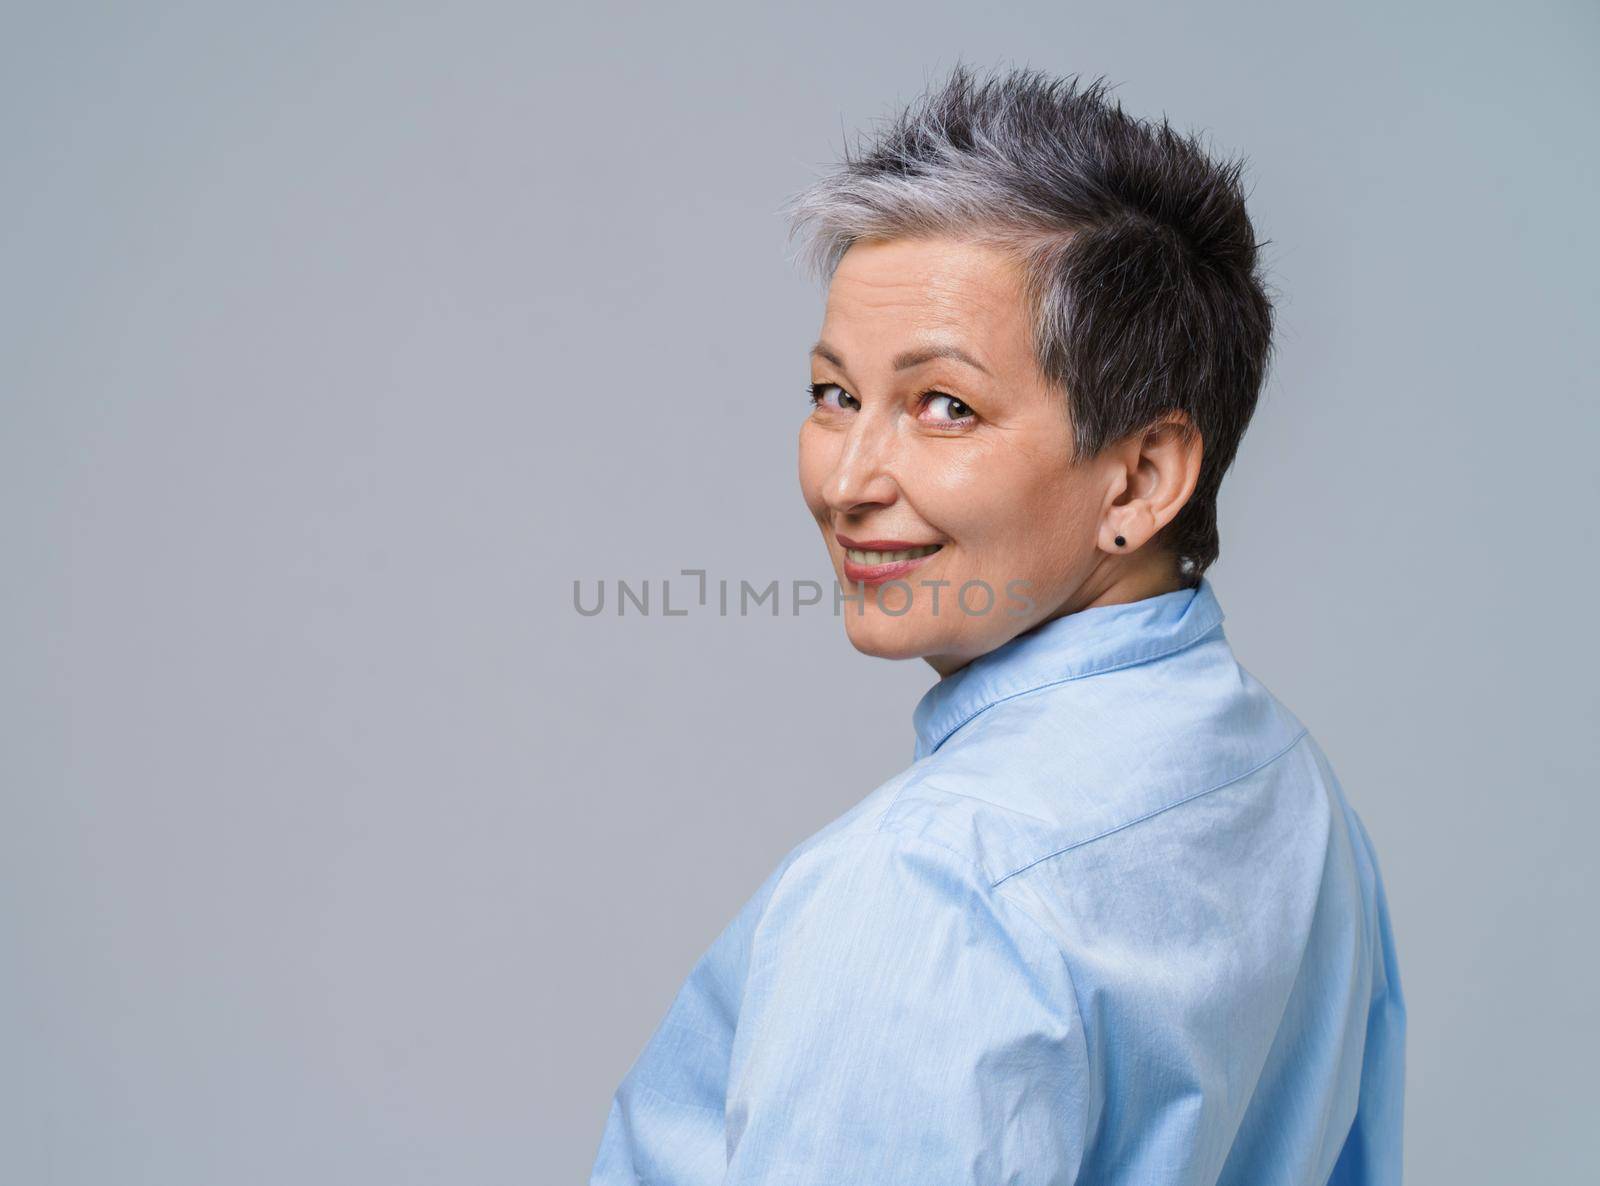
(872, 559)
(873, 566)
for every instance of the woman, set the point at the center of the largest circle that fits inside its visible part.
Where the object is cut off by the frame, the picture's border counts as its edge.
(1117, 922)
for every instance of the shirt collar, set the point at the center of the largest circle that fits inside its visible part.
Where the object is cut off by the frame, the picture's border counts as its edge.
(1100, 638)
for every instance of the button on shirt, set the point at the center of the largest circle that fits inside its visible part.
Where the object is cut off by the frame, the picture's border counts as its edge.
(1116, 924)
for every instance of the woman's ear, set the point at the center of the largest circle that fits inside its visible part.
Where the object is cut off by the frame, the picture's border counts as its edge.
(1158, 468)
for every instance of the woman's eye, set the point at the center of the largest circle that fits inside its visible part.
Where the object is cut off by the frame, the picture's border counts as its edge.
(946, 407)
(831, 395)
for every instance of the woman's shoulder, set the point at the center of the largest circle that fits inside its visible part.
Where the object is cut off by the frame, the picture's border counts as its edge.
(924, 824)
(873, 849)
(875, 901)
(1017, 823)
(1061, 767)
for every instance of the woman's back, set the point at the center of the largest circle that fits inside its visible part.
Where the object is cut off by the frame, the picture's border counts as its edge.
(1116, 923)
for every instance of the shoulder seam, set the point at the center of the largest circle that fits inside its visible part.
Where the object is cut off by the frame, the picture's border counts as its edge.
(1159, 810)
(980, 876)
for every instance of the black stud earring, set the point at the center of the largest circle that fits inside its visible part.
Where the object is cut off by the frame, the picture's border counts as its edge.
(1120, 541)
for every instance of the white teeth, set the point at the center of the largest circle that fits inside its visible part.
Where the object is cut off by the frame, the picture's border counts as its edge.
(857, 556)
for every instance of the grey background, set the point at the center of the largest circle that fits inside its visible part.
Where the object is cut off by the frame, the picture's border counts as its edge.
(335, 343)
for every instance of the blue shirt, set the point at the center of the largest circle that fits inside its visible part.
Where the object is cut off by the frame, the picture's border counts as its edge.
(1116, 924)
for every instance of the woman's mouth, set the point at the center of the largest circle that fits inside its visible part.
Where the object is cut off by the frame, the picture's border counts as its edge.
(874, 566)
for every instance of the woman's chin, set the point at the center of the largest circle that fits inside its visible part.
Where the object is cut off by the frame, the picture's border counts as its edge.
(883, 637)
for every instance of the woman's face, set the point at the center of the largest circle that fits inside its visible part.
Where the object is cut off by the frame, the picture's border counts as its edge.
(934, 433)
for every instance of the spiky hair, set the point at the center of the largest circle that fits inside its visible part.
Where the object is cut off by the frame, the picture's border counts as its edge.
(1140, 265)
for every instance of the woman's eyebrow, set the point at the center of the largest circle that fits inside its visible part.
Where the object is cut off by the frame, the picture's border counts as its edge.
(910, 358)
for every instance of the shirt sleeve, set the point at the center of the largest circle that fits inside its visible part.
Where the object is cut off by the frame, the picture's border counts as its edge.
(903, 1023)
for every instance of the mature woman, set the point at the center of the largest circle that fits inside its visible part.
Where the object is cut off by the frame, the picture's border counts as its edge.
(1117, 923)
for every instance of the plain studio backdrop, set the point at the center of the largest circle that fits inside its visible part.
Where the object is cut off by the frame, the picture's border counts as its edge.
(337, 343)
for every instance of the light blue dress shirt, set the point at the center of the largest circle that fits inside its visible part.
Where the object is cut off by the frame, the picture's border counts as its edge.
(1116, 924)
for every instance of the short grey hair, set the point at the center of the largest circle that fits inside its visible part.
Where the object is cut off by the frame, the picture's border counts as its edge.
(1141, 268)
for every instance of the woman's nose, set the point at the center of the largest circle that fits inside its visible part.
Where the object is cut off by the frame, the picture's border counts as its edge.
(863, 475)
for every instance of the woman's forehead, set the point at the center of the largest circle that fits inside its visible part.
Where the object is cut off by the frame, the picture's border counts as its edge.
(924, 294)
(925, 271)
